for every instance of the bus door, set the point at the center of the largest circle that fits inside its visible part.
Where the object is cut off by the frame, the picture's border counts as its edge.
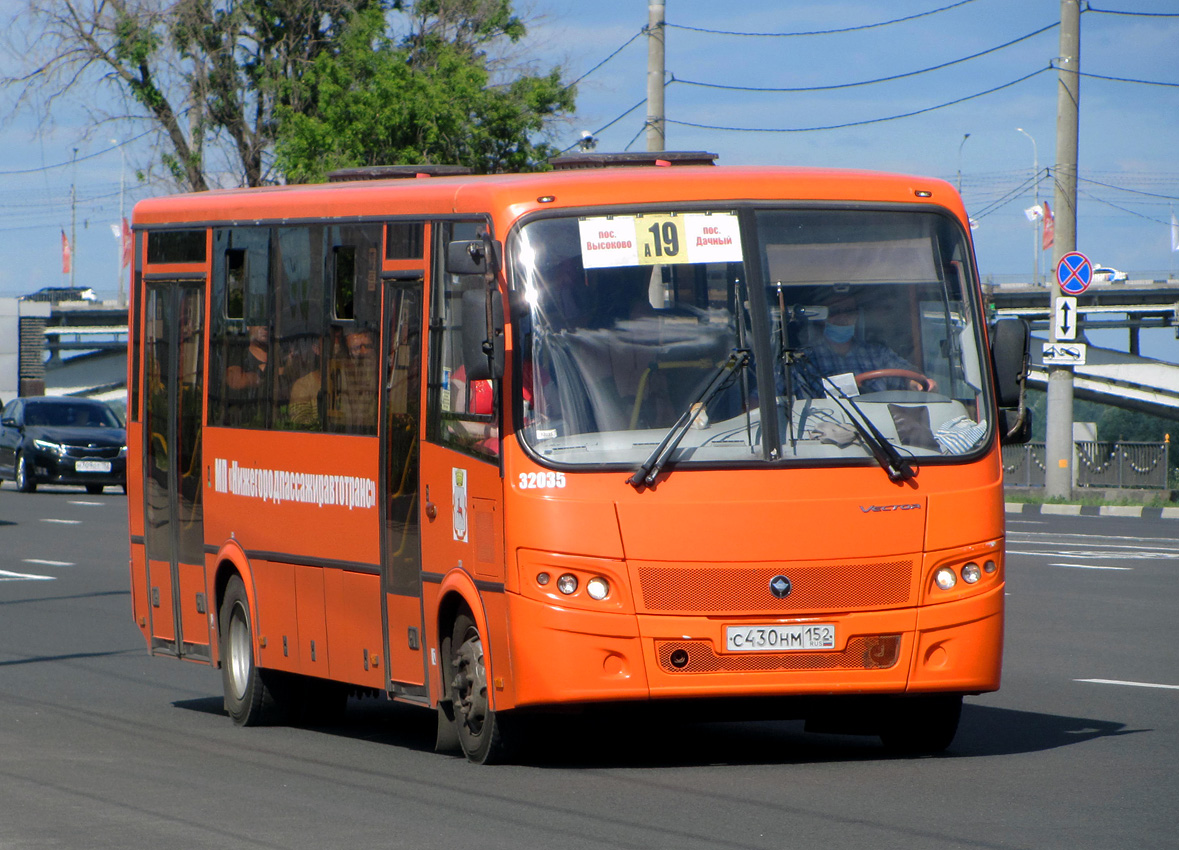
(174, 535)
(401, 553)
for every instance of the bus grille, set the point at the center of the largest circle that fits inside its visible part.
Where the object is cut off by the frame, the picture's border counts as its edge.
(862, 653)
(737, 590)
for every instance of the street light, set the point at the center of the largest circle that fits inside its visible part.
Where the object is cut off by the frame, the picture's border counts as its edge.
(960, 144)
(122, 235)
(1036, 202)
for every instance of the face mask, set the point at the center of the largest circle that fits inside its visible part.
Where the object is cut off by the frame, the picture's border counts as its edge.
(839, 334)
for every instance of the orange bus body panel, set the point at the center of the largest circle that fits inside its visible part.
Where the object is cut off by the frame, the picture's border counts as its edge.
(297, 514)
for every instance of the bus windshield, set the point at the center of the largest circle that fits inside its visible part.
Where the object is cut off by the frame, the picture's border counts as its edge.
(811, 336)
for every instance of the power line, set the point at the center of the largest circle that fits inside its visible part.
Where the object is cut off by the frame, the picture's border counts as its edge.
(610, 123)
(1126, 79)
(1007, 198)
(643, 31)
(69, 162)
(1100, 200)
(1132, 191)
(866, 82)
(1132, 14)
(822, 32)
(861, 123)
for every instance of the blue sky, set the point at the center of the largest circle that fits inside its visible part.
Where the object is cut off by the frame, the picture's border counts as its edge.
(1127, 156)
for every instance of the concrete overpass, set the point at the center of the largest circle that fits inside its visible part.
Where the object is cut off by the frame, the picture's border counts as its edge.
(1109, 376)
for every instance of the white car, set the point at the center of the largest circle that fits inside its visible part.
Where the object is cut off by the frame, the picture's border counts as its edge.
(1108, 274)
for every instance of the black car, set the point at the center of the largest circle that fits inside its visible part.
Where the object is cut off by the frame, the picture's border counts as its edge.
(62, 441)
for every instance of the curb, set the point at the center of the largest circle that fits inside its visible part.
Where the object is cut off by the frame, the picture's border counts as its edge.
(1135, 511)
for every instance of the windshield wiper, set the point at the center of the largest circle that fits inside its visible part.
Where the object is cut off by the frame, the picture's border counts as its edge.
(646, 474)
(895, 465)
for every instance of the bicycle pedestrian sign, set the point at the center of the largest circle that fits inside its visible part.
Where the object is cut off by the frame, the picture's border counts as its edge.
(1074, 273)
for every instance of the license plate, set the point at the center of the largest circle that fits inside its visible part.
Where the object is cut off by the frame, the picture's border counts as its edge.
(780, 638)
(92, 466)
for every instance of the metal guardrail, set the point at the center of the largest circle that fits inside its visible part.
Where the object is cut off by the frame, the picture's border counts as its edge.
(1098, 463)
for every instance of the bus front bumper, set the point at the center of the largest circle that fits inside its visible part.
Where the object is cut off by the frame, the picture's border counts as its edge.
(569, 656)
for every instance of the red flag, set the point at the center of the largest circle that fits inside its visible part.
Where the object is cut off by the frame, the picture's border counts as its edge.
(128, 242)
(66, 254)
(1049, 227)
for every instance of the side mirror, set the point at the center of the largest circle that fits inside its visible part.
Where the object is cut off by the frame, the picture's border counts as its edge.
(472, 256)
(8, 422)
(1010, 347)
(483, 334)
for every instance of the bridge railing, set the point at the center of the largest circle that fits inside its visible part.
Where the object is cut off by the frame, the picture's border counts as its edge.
(1098, 463)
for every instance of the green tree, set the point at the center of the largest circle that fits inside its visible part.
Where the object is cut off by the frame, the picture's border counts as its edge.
(428, 98)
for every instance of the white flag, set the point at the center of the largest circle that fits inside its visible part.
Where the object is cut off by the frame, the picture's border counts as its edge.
(1034, 213)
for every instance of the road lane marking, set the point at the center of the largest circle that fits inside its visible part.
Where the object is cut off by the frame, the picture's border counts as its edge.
(79, 502)
(48, 563)
(1092, 567)
(63, 521)
(1128, 684)
(1098, 554)
(5, 575)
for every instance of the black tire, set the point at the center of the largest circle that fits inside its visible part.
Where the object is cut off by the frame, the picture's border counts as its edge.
(93, 489)
(23, 474)
(923, 725)
(249, 698)
(479, 730)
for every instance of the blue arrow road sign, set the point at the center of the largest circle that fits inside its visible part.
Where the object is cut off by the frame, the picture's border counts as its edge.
(1074, 273)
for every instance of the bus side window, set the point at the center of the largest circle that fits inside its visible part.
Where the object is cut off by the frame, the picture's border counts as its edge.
(351, 346)
(298, 329)
(240, 365)
(462, 414)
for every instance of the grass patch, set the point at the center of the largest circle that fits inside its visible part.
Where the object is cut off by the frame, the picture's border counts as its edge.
(1163, 499)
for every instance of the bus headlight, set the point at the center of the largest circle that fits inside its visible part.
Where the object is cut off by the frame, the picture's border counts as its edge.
(597, 587)
(971, 573)
(945, 578)
(567, 584)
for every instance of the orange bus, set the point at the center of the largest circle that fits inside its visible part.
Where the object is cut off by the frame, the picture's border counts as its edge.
(639, 430)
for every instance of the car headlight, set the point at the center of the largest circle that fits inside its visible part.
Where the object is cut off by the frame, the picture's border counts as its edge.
(47, 446)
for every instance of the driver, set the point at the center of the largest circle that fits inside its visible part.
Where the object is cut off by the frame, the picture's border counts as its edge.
(840, 348)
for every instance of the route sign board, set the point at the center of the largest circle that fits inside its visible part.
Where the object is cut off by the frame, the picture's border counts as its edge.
(1074, 273)
(1064, 317)
(1064, 353)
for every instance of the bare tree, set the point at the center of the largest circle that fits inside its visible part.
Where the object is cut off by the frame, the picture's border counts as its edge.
(206, 75)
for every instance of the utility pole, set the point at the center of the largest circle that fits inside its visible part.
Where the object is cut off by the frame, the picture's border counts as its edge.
(656, 139)
(119, 275)
(1058, 476)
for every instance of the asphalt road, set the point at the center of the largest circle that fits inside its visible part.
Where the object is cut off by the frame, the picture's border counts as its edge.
(102, 746)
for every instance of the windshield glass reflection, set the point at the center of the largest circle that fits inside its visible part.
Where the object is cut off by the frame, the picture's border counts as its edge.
(862, 322)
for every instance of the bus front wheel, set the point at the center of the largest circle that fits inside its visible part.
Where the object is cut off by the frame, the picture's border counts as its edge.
(479, 730)
(248, 699)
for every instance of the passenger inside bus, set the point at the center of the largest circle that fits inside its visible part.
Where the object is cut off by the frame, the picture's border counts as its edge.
(305, 390)
(250, 369)
(353, 396)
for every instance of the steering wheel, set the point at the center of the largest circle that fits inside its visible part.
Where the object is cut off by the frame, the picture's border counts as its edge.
(928, 385)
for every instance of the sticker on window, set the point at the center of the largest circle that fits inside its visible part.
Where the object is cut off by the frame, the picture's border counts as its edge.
(662, 238)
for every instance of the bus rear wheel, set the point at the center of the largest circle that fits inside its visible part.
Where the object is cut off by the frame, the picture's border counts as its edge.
(249, 700)
(479, 730)
(923, 725)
